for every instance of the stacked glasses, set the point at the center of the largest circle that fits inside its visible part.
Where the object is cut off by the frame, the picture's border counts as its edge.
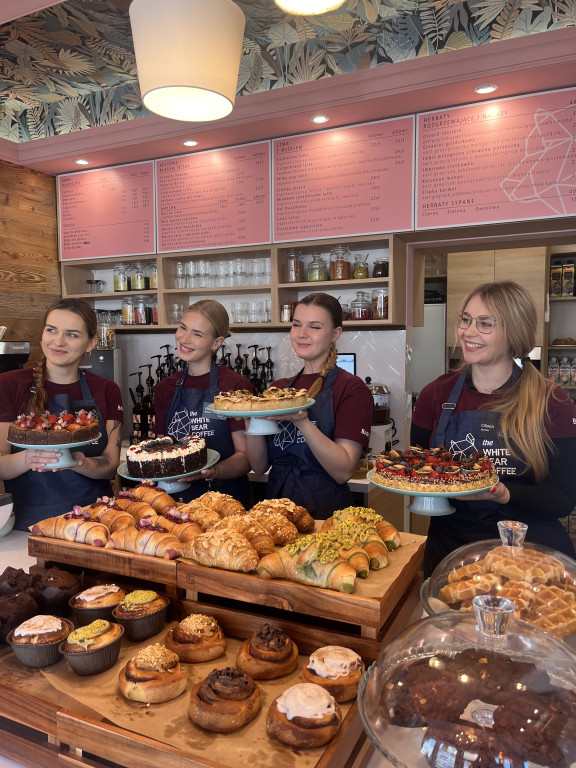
(231, 273)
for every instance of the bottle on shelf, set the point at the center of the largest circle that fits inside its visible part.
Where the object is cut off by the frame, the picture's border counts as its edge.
(139, 421)
(293, 267)
(148, 401)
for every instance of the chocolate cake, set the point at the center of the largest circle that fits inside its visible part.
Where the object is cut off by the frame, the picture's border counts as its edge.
(14, 609)
(53, 588)
(50, 429)
(165, 458)
(14, 580)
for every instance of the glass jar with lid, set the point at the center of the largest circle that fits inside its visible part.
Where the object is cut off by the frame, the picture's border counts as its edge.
(120, 279)
(340, 263)
(127, 311)
(317, 269)
(153, 275)
(360, 308)
(380, 304)
(293, 266)
(360, 266)
(381, 267)
(138, 278)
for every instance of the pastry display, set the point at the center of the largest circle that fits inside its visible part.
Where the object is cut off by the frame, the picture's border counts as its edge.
(152, 676)
(73, 526)
(224, 701)
(296, 514)
(196, 638)
(14, 609)
(159, 500)
(36, 641)
(93, 648)
(337, 669)
(146, 538)
(53, 588)
(304, 716)
(49, 429)
(222, 549)
(272, 399)
(434, 470)
(269, 653)
(95, 603)
(256, 534)
(222, 503)
(162, 457)
(142, 613)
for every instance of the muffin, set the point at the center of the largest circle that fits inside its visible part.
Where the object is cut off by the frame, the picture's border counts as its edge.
(93, 648)
(95, 603)
(14, 580)
(53, 588)
(14, 609)
(35, 642)
(142, 613)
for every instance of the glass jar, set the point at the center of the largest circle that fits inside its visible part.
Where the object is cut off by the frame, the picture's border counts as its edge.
(360, 266)
(138, 278)
(381, 267)
(139, 310)
(181, 280)
(127, 311)
(286, 313)
(153, 275)
(152, 310)
(293, 267)
(120, 281)
(317, 269)
(340, 263)
(360, 307)
(380, 304)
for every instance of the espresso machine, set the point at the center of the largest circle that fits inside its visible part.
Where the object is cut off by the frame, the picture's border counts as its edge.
(383, 429)
(13, 355)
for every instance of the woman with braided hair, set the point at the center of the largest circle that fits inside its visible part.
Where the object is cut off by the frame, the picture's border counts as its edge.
(313, 458)
(57, 384)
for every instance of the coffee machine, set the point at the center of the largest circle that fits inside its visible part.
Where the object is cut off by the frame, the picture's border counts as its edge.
(383, 429)
(13, 355)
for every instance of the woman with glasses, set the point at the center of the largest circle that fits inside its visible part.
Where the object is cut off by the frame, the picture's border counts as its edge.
(511, 412)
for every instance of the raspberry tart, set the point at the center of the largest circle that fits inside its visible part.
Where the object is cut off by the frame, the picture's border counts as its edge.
(434, 470)
(50, 429)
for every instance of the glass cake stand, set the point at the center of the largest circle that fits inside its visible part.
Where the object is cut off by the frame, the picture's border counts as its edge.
(174, 483)
(65, 459)
(258, 424)
(428, 503)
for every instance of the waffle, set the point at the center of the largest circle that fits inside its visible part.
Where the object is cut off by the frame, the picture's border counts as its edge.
(525, 565)
(481, 584)
(554, 610)
(520, 592)
(467, 571)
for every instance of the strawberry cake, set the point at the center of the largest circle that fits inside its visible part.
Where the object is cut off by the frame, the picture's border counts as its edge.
(49, 429)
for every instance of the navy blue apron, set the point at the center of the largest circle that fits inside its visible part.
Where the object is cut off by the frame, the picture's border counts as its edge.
(187, 416)
(463, 433)
(295, 472)
(38, 495)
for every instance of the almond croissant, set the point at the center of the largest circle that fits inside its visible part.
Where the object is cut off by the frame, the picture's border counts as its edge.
(222, 549)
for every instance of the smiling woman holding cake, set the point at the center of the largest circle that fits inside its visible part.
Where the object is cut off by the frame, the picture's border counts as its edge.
(67, 404)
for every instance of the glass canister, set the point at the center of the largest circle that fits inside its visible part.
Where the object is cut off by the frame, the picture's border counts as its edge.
(340, 263)
(120, 280)
(138, 277)
(381, 267)
(139, 310)
(153, 275)
(181, 281)
(360, 307)
(294, 267)
(360, 266)
(380, 304)
(317, 269)
(127, 311)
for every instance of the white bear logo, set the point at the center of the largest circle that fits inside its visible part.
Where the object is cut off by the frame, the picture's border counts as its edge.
(461, 448)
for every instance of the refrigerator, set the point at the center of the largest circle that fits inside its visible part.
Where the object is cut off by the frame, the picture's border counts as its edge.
(429, 347)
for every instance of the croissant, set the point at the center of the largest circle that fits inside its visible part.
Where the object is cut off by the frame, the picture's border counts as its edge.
(158, 499)
(72, 527)
(183, 530)
(256, 534)
(222, 503)
(145, 541)
(336, 574)
(139, 510)
(297, 515)
(387, 532)
(112, 516)
(222, 549)
(199, 513)
(282, 530)
(365, 536)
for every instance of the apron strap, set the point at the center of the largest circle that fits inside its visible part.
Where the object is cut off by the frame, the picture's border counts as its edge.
(448, 409)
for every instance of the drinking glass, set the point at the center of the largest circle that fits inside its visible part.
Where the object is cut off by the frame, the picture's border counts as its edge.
(176, 312)
(239, 272)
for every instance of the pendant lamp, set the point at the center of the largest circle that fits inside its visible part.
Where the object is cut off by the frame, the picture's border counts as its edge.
(188, 56)
(308, 7)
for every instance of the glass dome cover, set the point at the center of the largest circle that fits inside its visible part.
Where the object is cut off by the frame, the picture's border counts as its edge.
(539, 580)
(470, 690)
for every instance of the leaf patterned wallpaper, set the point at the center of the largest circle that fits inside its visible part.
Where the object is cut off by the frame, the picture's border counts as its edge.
(72, 67)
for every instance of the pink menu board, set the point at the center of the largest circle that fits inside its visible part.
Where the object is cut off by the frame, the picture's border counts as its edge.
(107, 212)
(214, 199)
(347, 181)
(498, 161)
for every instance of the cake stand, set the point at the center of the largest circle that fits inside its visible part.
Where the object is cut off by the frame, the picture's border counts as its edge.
(428, 503)
(65, 459)
(258, 424)
(171, 484)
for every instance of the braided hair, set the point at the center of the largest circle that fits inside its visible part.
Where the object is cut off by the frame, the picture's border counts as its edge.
(334, 309)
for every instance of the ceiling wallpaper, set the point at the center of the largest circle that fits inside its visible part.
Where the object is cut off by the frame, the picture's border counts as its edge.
(72, 67)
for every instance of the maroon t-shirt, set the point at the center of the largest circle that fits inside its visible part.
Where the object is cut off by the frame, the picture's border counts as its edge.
(15, 394)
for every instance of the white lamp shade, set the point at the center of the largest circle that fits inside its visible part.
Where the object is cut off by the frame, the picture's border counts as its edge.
(308, 7)
(188, 55)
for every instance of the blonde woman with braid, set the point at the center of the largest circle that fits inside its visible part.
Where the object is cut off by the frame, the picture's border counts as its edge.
(312, 459)
(524, 422)
(57, 384)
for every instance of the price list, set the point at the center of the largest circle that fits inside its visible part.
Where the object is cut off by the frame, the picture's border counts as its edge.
(214, 199)
(507, 160)
(347, 181)
(107, 212)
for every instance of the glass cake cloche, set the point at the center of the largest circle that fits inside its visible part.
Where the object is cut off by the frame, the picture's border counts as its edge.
(473, 689)
(540, 581)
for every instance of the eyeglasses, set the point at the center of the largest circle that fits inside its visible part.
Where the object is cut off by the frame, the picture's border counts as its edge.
(484, 323)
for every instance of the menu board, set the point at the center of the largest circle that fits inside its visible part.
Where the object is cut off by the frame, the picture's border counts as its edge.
(347, 181)
(107, 212)
(508, 160)
(214, 199)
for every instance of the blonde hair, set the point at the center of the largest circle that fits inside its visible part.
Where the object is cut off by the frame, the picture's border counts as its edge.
(39, 403)
(523, 405)
(216, 315)
(334, 309)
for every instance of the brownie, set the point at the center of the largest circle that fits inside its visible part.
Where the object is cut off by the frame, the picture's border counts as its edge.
(14, 580)
(14, 609)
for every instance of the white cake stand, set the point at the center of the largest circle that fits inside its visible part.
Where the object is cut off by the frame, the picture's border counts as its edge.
(428, 503)
(258, 424)
(65, 459)
(174, 483)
